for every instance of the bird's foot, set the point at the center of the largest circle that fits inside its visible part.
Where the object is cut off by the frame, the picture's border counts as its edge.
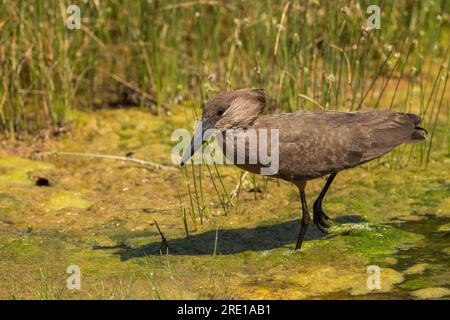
(320, 219)
(327, 218)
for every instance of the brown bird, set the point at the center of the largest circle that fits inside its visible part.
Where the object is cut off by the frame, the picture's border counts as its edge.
(311, 144)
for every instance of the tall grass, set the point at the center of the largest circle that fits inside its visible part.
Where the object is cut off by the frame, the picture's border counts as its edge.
(307, 54)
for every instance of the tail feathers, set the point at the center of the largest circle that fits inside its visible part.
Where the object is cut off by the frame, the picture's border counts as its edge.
(419, 134)
(411, 117)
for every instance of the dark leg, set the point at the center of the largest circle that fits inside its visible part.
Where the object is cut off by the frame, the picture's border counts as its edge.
(320, 218)
(305, 219)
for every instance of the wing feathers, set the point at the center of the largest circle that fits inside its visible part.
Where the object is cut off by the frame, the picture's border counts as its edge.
(316, 143)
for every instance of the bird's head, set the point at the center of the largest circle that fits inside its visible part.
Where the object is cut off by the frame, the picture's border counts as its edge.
(235, 109)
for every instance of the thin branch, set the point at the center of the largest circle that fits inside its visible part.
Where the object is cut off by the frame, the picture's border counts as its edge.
(164, 243)
(111, 157)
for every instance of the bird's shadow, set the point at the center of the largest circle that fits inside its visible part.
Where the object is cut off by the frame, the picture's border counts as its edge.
(230, 241)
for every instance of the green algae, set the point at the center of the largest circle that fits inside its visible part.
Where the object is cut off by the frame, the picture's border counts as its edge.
(65, 199)
(100, 215)
(432, 269)
(444, 228)
(417, 268)
(14, 171)
(8, 205)
(23, 164)
(374, 240)
(431, 293)
(19, 249)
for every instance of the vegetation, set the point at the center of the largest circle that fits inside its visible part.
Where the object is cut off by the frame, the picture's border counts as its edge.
(307, 54)
(229, 233)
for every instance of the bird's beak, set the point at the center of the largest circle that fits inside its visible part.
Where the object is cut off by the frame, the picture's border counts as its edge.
(202, 133)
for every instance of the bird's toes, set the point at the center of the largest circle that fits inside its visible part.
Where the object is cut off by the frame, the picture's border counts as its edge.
(320, 216)
(327, 218)
(321, 225)
(324, 223)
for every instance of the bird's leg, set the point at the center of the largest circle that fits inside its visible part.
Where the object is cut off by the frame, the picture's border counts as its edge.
(320, 218)
(305, 216)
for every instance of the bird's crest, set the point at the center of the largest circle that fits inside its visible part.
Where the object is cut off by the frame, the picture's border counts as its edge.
(239, 108)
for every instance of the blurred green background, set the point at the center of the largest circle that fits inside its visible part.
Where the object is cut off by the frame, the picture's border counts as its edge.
(306, 54)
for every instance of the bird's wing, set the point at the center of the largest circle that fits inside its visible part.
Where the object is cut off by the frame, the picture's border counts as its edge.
(316, 143)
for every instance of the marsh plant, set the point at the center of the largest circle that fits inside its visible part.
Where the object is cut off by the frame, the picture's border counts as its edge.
(306, 54)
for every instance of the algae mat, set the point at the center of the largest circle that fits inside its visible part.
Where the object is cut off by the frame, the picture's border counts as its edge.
(100, 216)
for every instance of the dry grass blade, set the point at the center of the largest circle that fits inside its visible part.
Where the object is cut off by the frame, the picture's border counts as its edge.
(112, 157)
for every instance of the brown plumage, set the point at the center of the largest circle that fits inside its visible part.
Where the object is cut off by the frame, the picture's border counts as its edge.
(312, 144)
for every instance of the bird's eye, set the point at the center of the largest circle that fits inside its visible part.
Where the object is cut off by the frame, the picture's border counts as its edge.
(220, 111)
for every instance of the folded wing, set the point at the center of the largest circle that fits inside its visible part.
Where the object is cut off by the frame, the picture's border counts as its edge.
(316, 143)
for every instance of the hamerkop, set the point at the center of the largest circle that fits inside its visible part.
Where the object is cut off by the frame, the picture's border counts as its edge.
(312, 144)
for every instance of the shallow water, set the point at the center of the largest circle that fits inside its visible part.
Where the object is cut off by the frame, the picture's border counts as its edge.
(429, 261)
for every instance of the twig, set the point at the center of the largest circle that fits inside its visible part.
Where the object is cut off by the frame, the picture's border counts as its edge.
(107, 156)
(164, 243)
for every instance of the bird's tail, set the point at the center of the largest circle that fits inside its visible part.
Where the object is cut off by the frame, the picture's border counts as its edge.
(419, 134)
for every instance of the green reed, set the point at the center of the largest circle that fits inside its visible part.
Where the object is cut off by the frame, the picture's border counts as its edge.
(318, 49)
